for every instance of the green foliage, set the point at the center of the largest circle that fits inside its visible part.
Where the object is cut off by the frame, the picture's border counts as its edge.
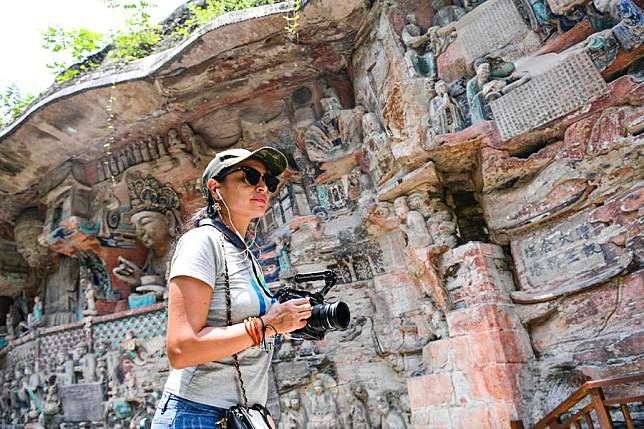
(139, 36)
(200, 15)
(74, 45)
(135, 40)
(12, 103)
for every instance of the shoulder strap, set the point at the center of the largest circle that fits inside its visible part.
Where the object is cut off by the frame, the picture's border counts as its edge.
(226, 233)
(229, 318)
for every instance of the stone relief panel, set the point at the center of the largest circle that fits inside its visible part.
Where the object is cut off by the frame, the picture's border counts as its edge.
(368, 195)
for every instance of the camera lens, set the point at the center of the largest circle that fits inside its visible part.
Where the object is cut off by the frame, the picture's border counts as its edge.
(335, 316)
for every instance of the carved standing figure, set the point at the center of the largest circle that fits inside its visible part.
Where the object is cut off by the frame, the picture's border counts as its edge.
(412, 224)
(479, 109)
(358, 412)
(389, 418)
(10, 324)
(446, 115)
(379, 156)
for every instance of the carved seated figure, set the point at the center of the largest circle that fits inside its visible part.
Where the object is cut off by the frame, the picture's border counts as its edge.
(293, 415)
(155, 217)
(445, 113)
(481, 90)
(134, 349)
(90, 298)
(324, 411)
(443, 31)
(201, 153)
(338, 130)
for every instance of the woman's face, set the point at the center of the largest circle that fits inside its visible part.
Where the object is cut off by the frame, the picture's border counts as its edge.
(240, 198)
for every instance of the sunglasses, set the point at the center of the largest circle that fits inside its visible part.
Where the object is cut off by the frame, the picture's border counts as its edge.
(253, 176)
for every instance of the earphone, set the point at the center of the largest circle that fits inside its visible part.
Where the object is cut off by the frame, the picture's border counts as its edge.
(235, 229)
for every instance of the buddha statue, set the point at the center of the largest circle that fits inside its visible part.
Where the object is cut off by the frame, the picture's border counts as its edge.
(155, 216)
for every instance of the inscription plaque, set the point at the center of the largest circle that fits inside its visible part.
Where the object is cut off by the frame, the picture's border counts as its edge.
(579, 252)
(82, 402)
(562, 89)
(490, 26)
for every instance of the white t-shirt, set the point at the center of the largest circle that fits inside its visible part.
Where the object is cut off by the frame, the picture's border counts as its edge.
(198, 254)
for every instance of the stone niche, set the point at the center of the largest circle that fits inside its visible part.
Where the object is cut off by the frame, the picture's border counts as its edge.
(69, 199)
(470, 170)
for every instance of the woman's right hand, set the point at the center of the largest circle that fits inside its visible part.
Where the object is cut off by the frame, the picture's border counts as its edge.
(288, 316)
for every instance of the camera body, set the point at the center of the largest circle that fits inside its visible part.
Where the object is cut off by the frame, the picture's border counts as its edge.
(325, 316)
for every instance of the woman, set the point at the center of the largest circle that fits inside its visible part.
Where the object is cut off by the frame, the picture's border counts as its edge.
(203, 381)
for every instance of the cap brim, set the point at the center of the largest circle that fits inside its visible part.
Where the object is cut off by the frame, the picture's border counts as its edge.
(274, 160)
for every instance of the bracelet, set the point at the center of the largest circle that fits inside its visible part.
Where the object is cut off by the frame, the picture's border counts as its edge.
(252, 329)
(273, 328)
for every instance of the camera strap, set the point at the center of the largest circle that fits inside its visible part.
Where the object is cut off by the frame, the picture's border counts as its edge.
(237, 242)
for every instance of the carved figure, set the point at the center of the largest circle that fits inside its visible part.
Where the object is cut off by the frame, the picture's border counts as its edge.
(68, 370)
(201, 154)
(111, 359)
(175, 144)
(358, 411)
(390, 418)
(90, 298)
(88, 363)
(155, 217)
(51, 406)
(10, 324)
(324, 411)
(337, 130)
(293, 413)
(286, 351)
(419, 59)
(445, 113)
(630, 30)
(481, 90)
(132, 393)
(442, 226)
(439, 324)
(379, 156)
(445, 14)
(412, 224)
(30, 391)
(34, 319)
(134, 348)
(28, 228)
(479, 109)
(282, 249)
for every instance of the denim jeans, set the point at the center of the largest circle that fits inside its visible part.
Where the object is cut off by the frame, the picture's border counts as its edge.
(174, 412)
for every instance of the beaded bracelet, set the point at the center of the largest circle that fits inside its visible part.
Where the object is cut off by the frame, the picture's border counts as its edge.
(252, 329)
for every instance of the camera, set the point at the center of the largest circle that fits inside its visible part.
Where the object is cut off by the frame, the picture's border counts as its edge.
(325, 316)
